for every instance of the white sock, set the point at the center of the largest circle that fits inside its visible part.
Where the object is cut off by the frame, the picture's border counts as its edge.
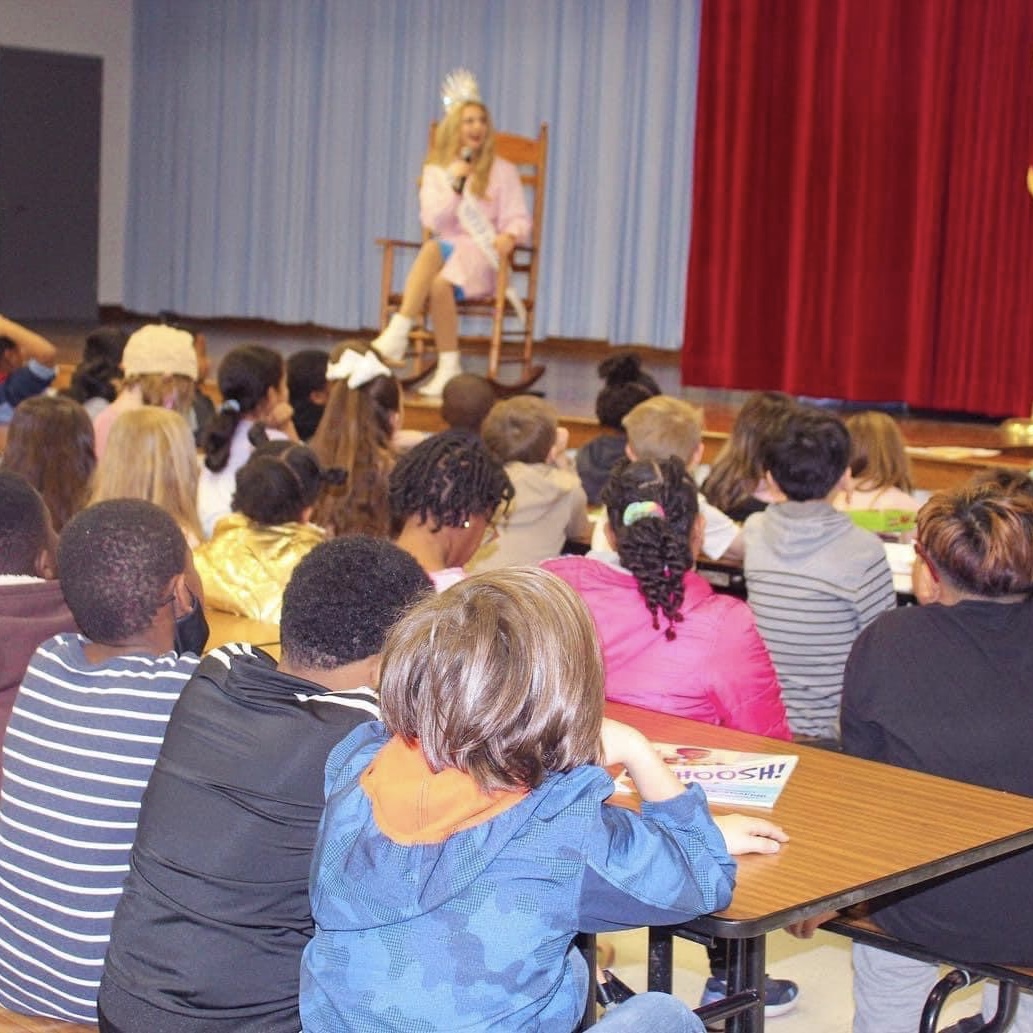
(394, 339)
(449, 366)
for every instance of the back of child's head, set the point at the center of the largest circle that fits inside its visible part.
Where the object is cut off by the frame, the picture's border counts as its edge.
(626, 385)
(354, 434)
(246, 374)
(306, 375)
(279, 482)
(343, 597)
(877, 455)
(521, 429)
(446, 479)
(500, 677)
(809, 455)
(25, 526)
(151, 455)
(50, 442)
(652, 508)
(101, 365)
(465, 401)
(664, 426)
(979, 538)
(739, 465)
(116, 560)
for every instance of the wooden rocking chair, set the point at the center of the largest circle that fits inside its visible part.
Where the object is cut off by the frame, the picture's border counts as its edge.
(509, 342)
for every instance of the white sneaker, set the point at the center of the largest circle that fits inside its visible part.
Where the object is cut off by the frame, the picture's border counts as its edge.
(393, 342)
(449, 366)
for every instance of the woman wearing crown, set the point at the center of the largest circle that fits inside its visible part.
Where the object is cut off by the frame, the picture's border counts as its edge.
(473, 204)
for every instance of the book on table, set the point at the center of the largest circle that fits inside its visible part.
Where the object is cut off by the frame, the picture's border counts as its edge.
(727, 777)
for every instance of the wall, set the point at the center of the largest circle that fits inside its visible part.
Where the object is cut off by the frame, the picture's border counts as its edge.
(102, 28)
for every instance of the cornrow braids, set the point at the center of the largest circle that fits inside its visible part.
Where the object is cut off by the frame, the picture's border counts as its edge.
(446, 479)
(655, 547)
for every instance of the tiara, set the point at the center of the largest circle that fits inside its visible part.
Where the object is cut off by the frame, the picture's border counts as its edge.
(460, 86)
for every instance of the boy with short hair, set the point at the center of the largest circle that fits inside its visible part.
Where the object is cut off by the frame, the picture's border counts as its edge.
(229, 819)
(466, 839)
(84, 734)
(665, 426)
(814, 578)
(549, 505)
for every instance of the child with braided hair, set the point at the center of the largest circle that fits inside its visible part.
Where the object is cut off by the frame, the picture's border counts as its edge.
(444, 495)
(686, 651)
(670, 643)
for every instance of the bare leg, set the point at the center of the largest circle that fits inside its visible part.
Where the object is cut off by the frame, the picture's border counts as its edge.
(443, 315)
(421, 278)
(393, 341)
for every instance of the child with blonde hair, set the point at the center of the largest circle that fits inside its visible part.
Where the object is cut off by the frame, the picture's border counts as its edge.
(466, 839)
(151, 456)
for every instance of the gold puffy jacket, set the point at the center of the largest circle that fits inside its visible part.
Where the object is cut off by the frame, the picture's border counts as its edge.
(246, 566)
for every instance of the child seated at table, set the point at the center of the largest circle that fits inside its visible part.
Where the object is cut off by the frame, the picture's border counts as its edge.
(814, 578)
(879, 495)
(466, 839)
(549, 506)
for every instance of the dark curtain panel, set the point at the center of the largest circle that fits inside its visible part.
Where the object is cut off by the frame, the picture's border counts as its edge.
(861, 224)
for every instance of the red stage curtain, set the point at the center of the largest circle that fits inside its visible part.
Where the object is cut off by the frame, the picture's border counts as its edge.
(861, 225)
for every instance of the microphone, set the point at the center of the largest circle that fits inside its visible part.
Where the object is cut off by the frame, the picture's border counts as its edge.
(466, 154)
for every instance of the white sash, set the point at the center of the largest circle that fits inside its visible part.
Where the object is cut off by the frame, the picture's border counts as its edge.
(478, 227)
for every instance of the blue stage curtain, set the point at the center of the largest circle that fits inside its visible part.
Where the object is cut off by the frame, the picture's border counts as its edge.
(274, 140)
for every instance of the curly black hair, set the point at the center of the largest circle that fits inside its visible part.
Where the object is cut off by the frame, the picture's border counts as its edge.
(626, 386)
(656, 547)
(445, 479)
(343, 597)
(279, 480)
(23, 524)
(116, 560)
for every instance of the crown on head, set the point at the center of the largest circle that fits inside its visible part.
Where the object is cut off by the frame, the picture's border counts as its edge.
(460, 87)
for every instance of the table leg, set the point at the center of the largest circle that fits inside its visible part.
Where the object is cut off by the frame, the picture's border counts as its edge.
(660, 973)
(746, 963)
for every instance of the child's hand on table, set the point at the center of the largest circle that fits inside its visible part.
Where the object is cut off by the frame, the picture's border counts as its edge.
(748, 835)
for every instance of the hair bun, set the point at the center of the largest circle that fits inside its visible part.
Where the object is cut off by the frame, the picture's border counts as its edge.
(257, 434)
(620, 369)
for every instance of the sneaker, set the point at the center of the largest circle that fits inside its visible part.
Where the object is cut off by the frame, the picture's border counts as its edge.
(779, 994)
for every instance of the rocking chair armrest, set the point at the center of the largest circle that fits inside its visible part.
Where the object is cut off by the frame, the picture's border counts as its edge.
(388, 242)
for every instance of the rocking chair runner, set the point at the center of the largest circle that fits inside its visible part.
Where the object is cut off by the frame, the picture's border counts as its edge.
(508, 342)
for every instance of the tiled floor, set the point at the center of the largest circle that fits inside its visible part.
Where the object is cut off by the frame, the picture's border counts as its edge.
(820, 966)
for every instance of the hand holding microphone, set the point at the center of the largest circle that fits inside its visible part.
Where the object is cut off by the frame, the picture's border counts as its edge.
(461, 169)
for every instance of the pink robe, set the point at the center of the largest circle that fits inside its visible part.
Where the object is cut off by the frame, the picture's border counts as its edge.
(505, 206)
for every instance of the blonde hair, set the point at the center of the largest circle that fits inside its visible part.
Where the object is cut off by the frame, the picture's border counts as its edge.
(877, 455)
(151, 455)
(354, 434)
(980, 539)
(500, 676)
(168, 390)
(445, 148)
(521, 429)
(664, 426)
